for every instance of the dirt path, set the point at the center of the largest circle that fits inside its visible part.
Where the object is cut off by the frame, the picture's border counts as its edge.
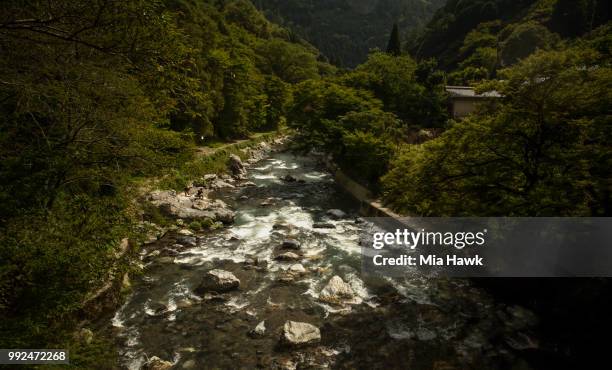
(207, 150)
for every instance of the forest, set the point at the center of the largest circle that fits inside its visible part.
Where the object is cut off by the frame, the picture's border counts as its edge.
(97, 97)
(346, 31)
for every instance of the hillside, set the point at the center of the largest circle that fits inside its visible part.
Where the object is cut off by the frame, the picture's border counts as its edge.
(475, 37)
(344, 30)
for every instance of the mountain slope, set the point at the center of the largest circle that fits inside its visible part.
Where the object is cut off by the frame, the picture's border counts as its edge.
(495, 33)
(346, 30)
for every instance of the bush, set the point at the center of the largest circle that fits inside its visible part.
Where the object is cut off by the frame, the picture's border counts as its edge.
(50, 260)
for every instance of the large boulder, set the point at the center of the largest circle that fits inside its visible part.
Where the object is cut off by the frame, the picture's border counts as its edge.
(185, 212)
(337, 292)
(300, 333)
(236, 166)
(224, 215)
(191, 208)
(219, 281)
(220, 184)
(156, 363)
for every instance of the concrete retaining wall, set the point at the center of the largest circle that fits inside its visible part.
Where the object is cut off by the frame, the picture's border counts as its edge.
(369, 206)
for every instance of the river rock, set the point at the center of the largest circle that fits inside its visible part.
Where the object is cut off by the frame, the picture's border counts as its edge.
(323, 225)
(300, 333)
(337, 291)
(183, 210)
(249, 184)
(187, 240)
(225, 215)
(156, 363)
(189, 364)
(157, 308)
(290, 244)
(297, 269)
(184, 303)
(151, 255)
(281, 226)
(236, 166)
(288, 256)
(201, 204)
(219, 281)
(336, 213)
(259, 330)
(267, 203)
(186, 232)
(221, 184)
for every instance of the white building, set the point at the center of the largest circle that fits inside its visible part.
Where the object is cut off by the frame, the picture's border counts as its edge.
(463, 100)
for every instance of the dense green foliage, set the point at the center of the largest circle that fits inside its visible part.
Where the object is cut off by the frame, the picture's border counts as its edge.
(346, 30)
(359, 117)
(542, 150)
(93, 97)
(475, 38)
(242, 65)
(443, 36)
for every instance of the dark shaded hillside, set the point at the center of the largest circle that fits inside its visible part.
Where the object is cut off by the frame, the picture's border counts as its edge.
(504, 31)
(443, 36)
(345, 30)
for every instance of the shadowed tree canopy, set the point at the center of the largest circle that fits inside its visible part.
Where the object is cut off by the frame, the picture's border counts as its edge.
(394, 47)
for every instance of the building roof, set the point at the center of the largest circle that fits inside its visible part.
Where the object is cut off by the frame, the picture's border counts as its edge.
(468, 92)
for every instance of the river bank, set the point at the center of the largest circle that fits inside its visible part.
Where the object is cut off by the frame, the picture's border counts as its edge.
(91, 344)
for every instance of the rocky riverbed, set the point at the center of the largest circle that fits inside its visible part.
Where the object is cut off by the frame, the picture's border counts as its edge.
(280, 286)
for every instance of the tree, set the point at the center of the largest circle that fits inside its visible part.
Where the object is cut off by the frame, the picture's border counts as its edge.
(393, 80)
(394, 47)
(292, 63)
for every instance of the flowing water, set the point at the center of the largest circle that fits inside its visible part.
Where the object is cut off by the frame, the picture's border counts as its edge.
(411, 322)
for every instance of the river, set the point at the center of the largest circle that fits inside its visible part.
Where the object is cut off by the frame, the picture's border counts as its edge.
(411, 322)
